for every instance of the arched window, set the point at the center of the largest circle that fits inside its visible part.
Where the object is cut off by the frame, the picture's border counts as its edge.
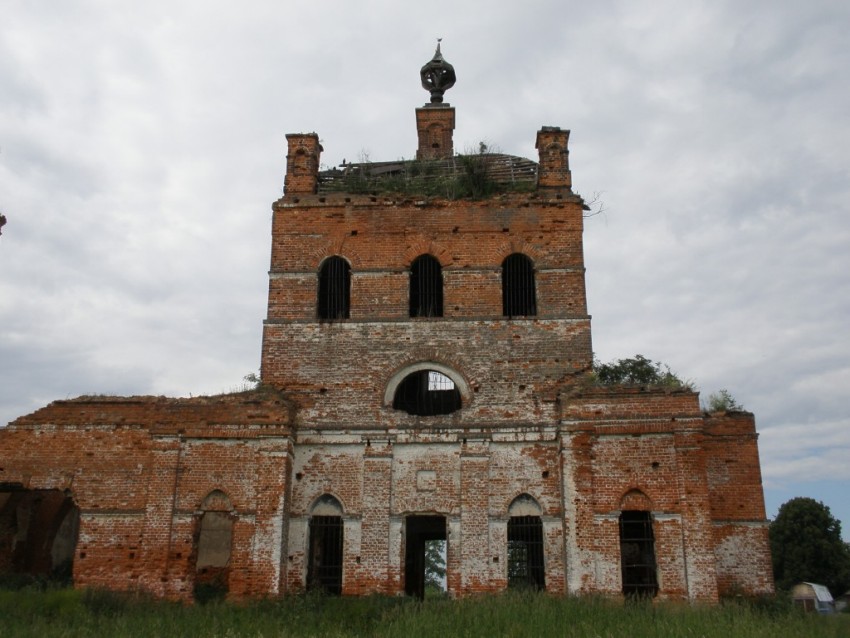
(518, 296)
(427, 393)
(426, 287)
(334, 289)
(637, 554)
(525, 544)
(324, 570)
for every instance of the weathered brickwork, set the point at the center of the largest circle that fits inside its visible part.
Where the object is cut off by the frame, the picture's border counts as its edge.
(346, 460)
(434, 127)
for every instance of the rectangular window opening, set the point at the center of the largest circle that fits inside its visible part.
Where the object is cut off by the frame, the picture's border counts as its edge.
(525, 553)
(637, 555)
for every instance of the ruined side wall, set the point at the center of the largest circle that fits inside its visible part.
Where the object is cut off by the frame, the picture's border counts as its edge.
(630, 446)
(106, 470)
(139, 468)
(742, 546)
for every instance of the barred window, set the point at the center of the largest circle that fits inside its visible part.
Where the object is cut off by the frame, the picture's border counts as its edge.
(637, 554)
(426, 287)
(518, 296)
(334, 289)
(324, 571)
(525, 552)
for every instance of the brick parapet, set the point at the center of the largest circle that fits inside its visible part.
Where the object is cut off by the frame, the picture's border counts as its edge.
(259, 410)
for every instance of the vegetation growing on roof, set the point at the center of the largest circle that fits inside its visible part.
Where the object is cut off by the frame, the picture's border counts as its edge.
(638, 370)
(468, 176)
(722, 401)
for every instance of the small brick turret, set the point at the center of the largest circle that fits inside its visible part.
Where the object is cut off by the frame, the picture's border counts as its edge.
(302, 164)
(554, 158)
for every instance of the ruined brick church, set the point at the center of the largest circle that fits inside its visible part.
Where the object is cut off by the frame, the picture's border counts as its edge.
(426, 365)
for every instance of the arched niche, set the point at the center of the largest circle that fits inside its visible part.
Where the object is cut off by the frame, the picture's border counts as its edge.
(524, 505)
(635, 500)
(326, 505)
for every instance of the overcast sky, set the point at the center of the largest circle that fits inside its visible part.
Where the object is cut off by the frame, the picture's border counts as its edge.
(142, 143)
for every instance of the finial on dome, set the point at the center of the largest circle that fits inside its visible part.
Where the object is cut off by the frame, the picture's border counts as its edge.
(438, 76)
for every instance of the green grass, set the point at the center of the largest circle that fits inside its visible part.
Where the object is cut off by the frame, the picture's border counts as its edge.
(69, 613)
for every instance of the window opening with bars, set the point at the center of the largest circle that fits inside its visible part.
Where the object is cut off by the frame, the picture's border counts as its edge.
(426, 287)
(525, 552)
(637, 554)
(427, 393)
(325, 568)
(334, 289)
(518, 295)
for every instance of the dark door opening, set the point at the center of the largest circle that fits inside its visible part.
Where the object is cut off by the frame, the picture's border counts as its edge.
(38, 533)
(325, 568)
(418, 531)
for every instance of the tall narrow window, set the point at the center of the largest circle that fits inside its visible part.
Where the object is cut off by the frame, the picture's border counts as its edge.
(427, 393)
(334, 289)
(518, 297)
(525, 544)
(324, 570)
(426, 287)
(213, 549)
(525, 552)
(637, 554)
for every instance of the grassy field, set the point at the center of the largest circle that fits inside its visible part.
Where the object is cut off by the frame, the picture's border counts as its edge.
(67, 613)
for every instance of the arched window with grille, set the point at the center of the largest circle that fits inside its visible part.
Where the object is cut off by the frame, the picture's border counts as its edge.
(427, 393)
(518, 295)
(426, 287)
(334, 300)
(324, 569)
(525, 544)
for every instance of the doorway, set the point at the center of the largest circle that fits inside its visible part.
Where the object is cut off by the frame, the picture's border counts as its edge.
(38, 533)
(419, 530)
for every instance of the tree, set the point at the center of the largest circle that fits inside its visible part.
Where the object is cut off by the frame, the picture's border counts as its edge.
(435, 564)
(806, 544)
(638, 371)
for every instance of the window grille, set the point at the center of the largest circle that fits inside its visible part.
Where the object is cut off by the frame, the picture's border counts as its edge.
(518, 296)
(334, 289)
(525, 552)
(438, 381)
(426, 287)
(325, 568)
(427, 393)
(637, 555)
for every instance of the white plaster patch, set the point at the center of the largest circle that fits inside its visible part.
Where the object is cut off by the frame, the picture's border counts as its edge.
(426, 480)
